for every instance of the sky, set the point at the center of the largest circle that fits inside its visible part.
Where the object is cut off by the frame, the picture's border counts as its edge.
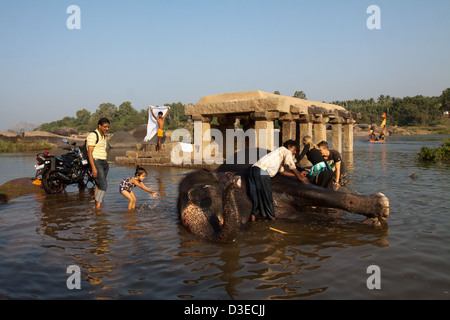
(152, 52)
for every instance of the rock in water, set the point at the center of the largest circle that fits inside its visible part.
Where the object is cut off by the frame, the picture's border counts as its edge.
(122, 139)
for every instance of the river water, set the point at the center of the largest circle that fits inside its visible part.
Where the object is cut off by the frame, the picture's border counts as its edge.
(149, 255)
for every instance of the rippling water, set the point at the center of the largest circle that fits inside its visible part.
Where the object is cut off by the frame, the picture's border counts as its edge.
(149, 255)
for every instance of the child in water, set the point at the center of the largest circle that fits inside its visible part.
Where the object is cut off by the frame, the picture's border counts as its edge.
(127, 185)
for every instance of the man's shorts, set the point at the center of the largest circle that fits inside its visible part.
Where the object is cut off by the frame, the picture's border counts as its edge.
(160, 133)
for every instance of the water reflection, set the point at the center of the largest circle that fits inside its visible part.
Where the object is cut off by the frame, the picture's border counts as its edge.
(271, 261)
(110, 247)
(71, 225)
(348, 160)
(148, 254)
(377, 158)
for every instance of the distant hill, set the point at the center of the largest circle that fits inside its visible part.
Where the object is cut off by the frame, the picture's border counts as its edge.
(22, 126)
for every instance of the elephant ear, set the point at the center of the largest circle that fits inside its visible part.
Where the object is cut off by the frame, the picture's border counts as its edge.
(225, 177)
(230, 174)
(233, 183)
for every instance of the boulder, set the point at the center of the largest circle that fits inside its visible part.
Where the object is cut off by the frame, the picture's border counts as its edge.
(64, 131)
(122, 139)
(362, 126)
(140, 133)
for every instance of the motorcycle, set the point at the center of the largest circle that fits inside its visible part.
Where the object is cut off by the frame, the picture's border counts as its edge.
(40, 158)
(59, 172)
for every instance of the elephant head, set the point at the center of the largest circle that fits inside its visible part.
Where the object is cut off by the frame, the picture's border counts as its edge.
(208, 207)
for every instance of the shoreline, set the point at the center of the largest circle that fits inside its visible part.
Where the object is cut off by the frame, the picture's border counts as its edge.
(359, 130)
(444, 129)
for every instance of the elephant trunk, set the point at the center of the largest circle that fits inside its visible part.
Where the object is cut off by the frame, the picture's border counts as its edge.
(231, 217)
(371, 206)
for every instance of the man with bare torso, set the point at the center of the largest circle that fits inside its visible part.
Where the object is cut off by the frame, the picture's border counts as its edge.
(160, 120)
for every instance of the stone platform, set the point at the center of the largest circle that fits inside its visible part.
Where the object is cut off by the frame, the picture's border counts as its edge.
(258, 110)
(253, 113)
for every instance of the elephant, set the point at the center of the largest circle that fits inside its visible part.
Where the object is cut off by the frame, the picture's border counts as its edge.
(215, 206)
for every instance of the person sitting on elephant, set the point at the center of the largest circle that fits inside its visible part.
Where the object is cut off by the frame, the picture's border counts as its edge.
(259, 178)
(320, 174)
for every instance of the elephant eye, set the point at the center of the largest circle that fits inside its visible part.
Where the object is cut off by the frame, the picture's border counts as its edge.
(205, 202)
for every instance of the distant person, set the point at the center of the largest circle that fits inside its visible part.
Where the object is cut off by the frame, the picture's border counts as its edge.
(334, 160)
(320, 173)
(127, 185)
(97, 156)
(160, 131)
(259, 178)
(372, 135)
(382, 136)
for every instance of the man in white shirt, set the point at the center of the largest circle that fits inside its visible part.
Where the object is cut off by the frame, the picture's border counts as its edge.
(261, 172)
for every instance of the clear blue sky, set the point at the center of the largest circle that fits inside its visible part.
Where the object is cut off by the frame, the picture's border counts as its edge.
(164, 51)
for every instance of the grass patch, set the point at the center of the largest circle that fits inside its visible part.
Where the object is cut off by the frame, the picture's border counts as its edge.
(22, 146)
(438, 154)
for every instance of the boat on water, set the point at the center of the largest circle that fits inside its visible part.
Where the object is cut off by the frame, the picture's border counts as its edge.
(381, 137)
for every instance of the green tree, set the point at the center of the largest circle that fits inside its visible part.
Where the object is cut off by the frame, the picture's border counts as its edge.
(126, 118)
(104, 110)
(445, 100)
(176, 117)
(64, 122)
(300, 95)
(81, 122)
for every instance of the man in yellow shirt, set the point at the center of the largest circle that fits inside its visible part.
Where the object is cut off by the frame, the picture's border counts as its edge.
(96, 146)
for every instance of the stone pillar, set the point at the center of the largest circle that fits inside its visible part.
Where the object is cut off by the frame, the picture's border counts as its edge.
(305, 129)
(264, 129)
(336, 135)
(320, 132)
(348, 135)
(226, 122)
(288, 130)
(202, 125)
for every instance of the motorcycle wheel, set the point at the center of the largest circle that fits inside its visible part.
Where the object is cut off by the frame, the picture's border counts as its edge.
(86, 180)
(51, 183)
